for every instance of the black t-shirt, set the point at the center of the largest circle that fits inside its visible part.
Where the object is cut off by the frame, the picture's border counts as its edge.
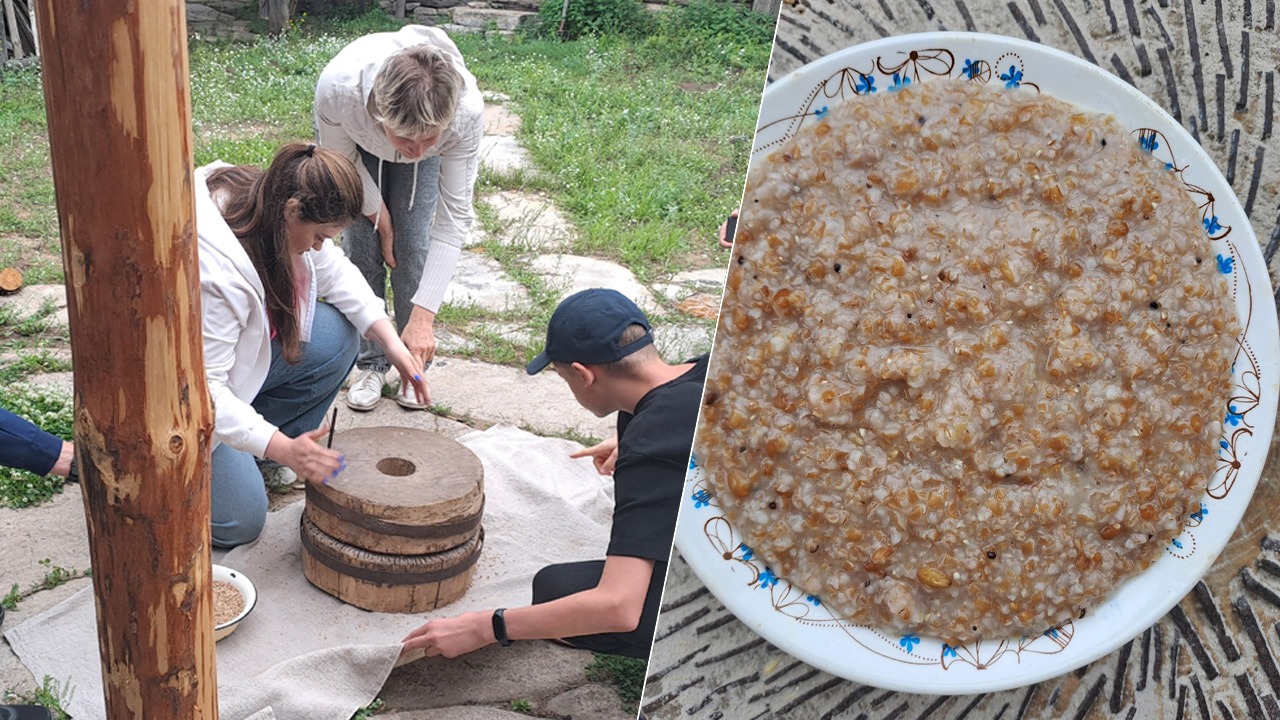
(653, 457)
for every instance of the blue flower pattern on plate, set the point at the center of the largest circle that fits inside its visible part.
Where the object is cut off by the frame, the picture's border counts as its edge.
(866, 85)
(900, 81)
(909, 642)
(747, 553)
(1233, 417)
(970, 69)
(767, 578)
(701, 499)
(1198, 515)
(1225, 263)
(1013, 78)
(820, 113)
(1176, 544)
(1149, 143)
(1051, 633)
(1212, 226)
(948, 651)
(813, 599)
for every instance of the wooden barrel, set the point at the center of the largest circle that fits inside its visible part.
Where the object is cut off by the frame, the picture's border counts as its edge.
(383, 582)
(404, 492)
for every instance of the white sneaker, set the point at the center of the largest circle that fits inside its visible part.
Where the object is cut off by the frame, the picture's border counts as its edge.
(407, 397)
(366, 391)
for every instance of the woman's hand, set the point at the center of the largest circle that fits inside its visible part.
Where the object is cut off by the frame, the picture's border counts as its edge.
(305, 456)
(604, 455)
(419, 334)
(384, 333)
(382, 226)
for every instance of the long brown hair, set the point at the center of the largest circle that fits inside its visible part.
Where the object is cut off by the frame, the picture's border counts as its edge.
(329, 190)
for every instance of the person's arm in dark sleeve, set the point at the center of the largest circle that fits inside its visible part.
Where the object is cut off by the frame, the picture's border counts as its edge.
(27, 447)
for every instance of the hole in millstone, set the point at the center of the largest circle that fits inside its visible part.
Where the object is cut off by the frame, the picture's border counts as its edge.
(399, 467)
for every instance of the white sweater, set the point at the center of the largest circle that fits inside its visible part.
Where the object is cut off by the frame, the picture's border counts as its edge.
(343, 123)
(237, 333)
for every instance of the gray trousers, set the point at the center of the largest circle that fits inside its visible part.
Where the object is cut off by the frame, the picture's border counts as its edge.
(412, 230)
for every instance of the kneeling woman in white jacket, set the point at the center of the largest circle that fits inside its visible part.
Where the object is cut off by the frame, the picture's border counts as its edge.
(284, 311)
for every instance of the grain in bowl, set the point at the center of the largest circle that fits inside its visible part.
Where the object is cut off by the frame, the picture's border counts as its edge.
(971, 363)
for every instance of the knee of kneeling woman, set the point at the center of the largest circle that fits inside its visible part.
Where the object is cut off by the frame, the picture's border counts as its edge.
(242, 529)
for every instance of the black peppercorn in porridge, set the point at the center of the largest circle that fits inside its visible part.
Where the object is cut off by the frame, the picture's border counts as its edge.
(972, 362)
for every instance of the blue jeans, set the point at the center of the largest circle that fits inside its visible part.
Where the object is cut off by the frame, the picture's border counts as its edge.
(295, 399)
(412, 232)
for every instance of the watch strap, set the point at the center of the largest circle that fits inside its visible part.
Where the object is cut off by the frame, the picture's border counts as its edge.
(500, 628)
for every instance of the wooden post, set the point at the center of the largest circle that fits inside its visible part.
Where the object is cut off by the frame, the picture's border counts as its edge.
(11, 17)
(399, 8)
(119, 111)
(766, 7)
(277, 16)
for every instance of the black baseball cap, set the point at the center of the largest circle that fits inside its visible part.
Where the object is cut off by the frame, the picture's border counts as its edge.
(587, 327)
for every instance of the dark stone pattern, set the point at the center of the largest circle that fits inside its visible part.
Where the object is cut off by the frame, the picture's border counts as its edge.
(1213, 649)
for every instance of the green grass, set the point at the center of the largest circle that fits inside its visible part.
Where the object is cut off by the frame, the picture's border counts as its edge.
(642, 142)
(369, 710)
(626, 674)
(49, 694)
(49, 409)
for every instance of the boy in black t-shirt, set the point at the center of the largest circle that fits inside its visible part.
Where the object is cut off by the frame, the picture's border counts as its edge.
(600, 344)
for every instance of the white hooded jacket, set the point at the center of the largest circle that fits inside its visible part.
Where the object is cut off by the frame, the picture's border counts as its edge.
(237, 332)
(343, 123)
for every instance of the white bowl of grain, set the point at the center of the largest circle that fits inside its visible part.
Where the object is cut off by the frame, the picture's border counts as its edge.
(802, 622)
(233, 599)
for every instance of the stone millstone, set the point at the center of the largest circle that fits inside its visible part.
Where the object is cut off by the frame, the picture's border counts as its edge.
(388, 583)
(404, 492)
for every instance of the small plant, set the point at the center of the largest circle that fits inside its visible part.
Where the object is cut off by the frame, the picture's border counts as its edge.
(369, 710)
(593, 17)
(10, 600)
(626, 674)
(522, 706)
(49, 695)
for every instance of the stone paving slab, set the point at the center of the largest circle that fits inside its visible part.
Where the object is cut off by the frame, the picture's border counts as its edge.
(492, 675)
(594, 700)
(459, 712)
(502, 154)
(502, 394)
(31, 299)
(529, 221)
(499, 121)
(480, 280)
(677, 343)
(573, 273)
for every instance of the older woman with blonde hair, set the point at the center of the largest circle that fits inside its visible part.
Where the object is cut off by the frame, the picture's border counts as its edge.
(403, 107)
(275, 353)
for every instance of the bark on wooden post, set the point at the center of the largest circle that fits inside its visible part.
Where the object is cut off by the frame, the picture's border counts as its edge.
(119, 109)
(276, 13)
(11, 17)
(766, 7)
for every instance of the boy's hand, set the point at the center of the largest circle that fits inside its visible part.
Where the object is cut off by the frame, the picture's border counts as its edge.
(604, 455)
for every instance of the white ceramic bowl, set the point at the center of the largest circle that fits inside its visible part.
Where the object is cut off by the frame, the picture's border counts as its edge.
(799, 623)
(247, 591)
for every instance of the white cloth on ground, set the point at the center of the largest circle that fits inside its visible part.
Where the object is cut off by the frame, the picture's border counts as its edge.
(307, 656)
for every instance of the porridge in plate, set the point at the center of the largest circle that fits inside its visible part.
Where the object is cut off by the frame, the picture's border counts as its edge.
(972, 362)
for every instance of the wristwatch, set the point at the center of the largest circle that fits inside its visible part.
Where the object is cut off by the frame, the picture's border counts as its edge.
(500, 628)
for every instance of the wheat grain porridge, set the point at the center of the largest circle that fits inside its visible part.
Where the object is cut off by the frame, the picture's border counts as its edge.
(972, 362)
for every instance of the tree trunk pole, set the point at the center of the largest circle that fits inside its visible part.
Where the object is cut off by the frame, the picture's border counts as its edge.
(766, 7)
(119, 111)
(12, 18)
(277, 17)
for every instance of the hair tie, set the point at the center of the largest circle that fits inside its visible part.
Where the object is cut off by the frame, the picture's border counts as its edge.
(311, 150)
